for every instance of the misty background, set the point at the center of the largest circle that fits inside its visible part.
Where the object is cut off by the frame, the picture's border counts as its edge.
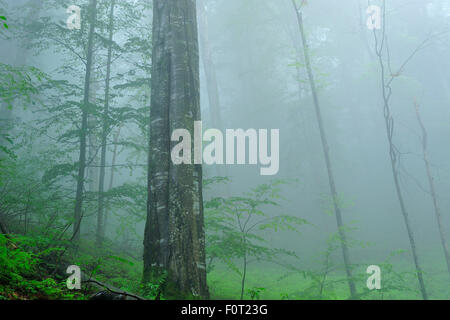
(255, 49)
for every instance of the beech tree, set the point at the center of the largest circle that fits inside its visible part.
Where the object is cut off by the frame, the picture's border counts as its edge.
(174, 240)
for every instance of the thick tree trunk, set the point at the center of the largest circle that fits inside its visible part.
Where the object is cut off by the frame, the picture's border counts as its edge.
(84, 126)
(334, 194)
(105, 130)
(437, 210)
(174, 241)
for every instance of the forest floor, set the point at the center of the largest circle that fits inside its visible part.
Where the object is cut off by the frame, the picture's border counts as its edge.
(26, 275)
(273, 282)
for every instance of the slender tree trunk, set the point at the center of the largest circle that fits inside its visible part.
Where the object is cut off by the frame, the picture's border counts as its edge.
(92, 159)
(244, 275)
(325, 147)
(325, 274)
(84, 126)
(386, 92)
(304, 126)
(26, 215)
(174, 240)
(101, 186)
(437, 210)
(111, 177)
(92, 175)
(211, 80)
(209, 67)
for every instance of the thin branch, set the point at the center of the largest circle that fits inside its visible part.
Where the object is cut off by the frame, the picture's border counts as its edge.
(113, 291)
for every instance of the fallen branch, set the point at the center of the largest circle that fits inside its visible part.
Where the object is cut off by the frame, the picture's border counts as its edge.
(113, 291)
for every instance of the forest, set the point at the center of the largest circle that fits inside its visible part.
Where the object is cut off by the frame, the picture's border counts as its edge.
(224, 150)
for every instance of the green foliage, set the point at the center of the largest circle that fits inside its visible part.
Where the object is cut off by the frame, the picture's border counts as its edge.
(255, 293)
(322, 282)
(234, 225)
(6, 153)
(37, 178)
(234, 228)
(5, 25)
(22, 275)
(20, 84)
(27, 195)
(394, 281)
(153, 289)
(284, 296)
(131, 197)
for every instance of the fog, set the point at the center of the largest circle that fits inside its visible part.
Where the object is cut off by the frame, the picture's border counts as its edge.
(253, 75)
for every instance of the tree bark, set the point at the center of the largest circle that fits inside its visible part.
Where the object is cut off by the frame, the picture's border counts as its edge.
(174, 240)
(84, 126)
(437, 210)
(334, 194)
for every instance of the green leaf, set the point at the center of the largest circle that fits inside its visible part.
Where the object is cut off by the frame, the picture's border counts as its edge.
(4, 18)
